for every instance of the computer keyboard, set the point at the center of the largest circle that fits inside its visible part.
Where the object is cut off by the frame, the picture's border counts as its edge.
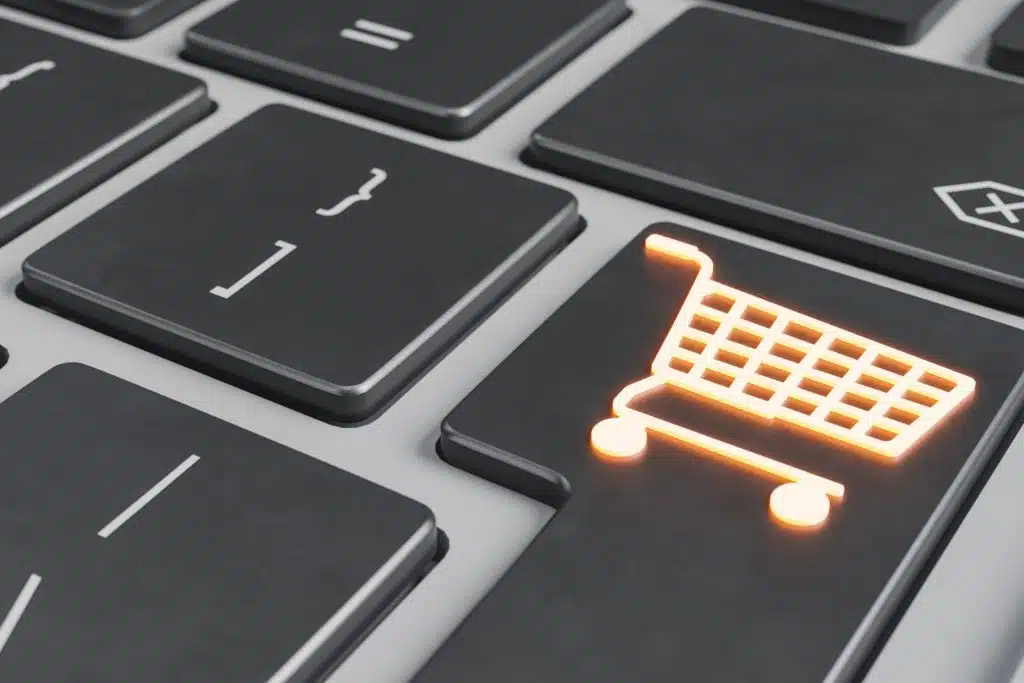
(695, 357)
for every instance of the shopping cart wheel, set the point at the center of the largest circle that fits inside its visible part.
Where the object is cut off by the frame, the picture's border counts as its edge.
(619, 438)
(800, 504)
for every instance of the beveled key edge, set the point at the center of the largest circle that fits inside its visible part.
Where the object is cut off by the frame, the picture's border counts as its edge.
(850, 22)
(330, 644)
(456, 122)
(115, 23)
(22, 213)
(340, 405)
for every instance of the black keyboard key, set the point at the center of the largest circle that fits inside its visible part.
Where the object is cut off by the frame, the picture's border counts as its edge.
(889, 162)
(1006, 51)
(72, 115)
(808, 438)
(151, 542)
(315, 262)
(115, 18)
(902, 22)
(447, 67)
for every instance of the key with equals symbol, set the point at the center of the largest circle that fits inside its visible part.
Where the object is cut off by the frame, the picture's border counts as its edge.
(377, 35)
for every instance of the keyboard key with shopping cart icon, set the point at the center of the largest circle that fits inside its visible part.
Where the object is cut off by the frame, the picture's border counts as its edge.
(751, 459)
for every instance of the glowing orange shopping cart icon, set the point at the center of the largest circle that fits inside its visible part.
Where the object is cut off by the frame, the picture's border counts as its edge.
(772, 363)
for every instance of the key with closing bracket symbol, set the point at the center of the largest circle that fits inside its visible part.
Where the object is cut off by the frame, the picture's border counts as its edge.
(377, 178)
(283, 249)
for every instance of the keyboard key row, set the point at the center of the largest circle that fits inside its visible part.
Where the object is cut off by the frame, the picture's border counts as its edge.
(448, 71)
(143, 539)
(72, 115)
(317, 263)
(448, 68)
(893, 21)
(751, 459)
(684, 152)
(218, 281)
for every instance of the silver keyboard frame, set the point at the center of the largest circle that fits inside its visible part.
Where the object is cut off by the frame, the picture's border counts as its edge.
(966, 623)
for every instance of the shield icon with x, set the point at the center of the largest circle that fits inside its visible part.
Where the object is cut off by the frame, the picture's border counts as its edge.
(988, 204)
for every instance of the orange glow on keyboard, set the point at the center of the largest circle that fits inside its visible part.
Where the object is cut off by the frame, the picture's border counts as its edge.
(773, 363)
(800, 506)
(619, 439)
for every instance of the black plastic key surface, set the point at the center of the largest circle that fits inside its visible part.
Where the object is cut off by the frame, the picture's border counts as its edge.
(1006, 50)
(318, 263)
(145, 541)
(893, 163)
(671, 566)
(72, 114)
(115, 18)
(902, 22)
(447, 67)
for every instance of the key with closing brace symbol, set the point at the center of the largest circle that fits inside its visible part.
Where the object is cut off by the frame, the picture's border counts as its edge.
(772, 363)
(310, 293)
(365, 194)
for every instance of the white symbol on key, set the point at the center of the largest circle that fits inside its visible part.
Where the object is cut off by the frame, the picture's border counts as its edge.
(377, 177)
(1005, 202)
(283, 249)
(147, 497)
(378, 35)
(18, 609)
(6, 80)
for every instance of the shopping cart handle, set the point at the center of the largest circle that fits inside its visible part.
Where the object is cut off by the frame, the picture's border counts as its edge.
(680, 250)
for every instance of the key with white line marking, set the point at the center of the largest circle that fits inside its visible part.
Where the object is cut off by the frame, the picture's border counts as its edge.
(10, 621)
(147, 497)
(149, 542)
(283, 249)
(447, 67)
